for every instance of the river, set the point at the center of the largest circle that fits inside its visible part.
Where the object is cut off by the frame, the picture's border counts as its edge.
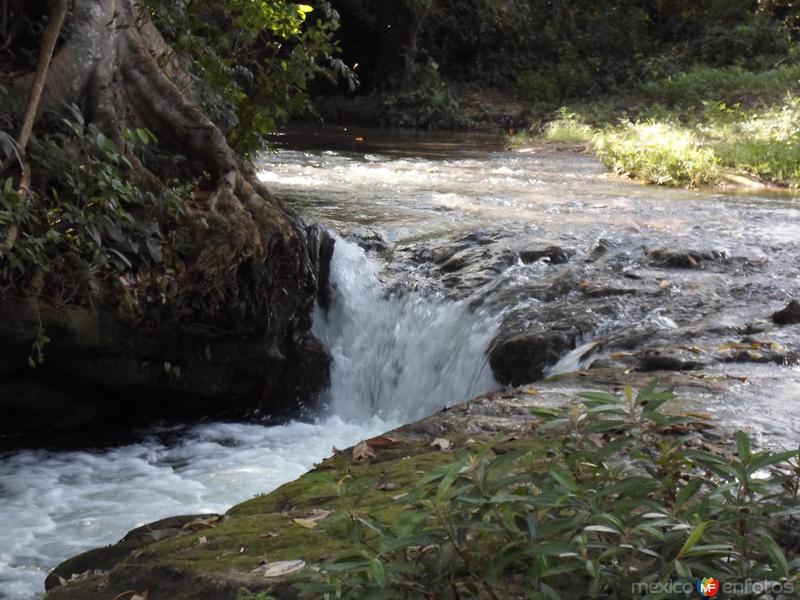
(408, 333)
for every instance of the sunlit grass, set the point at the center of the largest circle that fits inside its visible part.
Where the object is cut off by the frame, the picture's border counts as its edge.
(692, 129)
(656, 152)
(568, 128)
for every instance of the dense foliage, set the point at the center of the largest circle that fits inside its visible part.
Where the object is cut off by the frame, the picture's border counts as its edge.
(548, 51)
(256, 59)
(608, 498)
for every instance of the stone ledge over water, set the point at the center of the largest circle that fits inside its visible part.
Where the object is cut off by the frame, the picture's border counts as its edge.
(305, 520)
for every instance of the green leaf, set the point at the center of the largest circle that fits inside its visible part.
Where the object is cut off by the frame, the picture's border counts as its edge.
(776, 554)
(693, 539)
(689, 490)
(106, 144)
(378, 572)
(543, 411)
(143, 136)
(602, 529)
(766, 459)
(599, 397)
(743, 446)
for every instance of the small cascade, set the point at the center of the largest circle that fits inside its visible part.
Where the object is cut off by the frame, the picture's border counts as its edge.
(398, 358)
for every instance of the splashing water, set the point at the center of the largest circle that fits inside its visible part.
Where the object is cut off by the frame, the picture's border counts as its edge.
(399, 358)
(395, 359)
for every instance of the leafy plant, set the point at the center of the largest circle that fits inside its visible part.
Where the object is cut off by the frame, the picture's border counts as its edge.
(419, 99)
(94, 230)
(604, 498)
(256, 58)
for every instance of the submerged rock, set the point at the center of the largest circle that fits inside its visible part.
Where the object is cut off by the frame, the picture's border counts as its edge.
(684, 259)
(556, 255)
(789, 315)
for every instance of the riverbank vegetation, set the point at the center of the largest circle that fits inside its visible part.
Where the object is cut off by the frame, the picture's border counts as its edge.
(691, 129)
(670, 92)
(609, 497)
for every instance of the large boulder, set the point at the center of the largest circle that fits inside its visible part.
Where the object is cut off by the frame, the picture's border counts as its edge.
(102, 370)
(523, 358)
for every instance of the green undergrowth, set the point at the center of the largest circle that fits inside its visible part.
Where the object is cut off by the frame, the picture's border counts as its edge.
(607, 498)
(692, 129)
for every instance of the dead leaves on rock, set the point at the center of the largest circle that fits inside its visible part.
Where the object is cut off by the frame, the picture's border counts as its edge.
(362, 452)
(442, 444)
(204, 523)
(366, 450)
(279, 568)
(312, 520)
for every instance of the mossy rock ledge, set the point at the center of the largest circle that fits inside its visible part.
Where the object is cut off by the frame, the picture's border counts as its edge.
(247, 350)
(171, 560)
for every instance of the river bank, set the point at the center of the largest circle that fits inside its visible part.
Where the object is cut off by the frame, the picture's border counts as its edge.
(723, 128)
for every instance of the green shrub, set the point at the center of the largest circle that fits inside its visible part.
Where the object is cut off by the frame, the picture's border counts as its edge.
(420, 99)
(568, 128)
(657, 152)
(604, 496)
(703, 84)
(94, 230)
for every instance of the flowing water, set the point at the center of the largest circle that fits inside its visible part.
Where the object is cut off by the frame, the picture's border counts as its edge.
(399, 356)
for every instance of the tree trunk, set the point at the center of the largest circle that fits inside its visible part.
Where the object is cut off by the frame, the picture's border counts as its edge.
(253, 266)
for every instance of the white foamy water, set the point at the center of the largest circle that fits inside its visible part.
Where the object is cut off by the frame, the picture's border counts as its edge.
(58, 504)
(395, 359)
(400, 358)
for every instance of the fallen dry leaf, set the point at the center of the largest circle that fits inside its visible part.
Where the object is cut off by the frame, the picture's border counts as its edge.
(362, 452)
(380, 442)
(269, 534)
(279, 568)
(442, 444)
(399, 496)
(207, 523)
(386, 486)
(307, 523)
(202, 540)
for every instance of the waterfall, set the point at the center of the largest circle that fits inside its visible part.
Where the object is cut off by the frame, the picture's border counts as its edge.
(398, 357)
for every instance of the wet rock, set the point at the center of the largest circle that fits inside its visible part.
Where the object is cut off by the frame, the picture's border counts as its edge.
(657, 361)
(789, 315)
(321, 240)
(604, 291)
(103, 373)
(554, 254)
(523, 358)
(101, 560)
(604, 246)
(369, 239)
(684, 259)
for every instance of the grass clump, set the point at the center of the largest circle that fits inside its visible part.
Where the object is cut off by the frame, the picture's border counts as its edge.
(607, 498)
(692, 129)
(657, 152)
(568, 128)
